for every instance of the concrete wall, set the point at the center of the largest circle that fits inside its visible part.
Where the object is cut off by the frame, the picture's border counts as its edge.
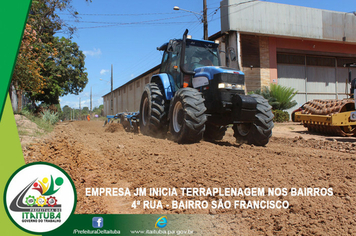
(15, 101)
(257, 56)
(287, 20)
(127, 97)
(107, 107)
(265, 74)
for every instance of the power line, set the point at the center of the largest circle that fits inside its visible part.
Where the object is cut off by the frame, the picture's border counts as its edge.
(240, 3)
(146, 61)
(235, 4)
(104, 26)
(151, 59)
(133, 14)
(126, 23)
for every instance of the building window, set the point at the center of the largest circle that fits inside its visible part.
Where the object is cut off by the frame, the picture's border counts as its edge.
(146, 80)
(119, 92)
(291, 59)
(320, 61)
(130, 87)
(137, 84)
(344, 61)
(124, 89)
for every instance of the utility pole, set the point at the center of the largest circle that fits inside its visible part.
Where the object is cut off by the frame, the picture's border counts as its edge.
(205, 20)
(91, 99)
(112, 94)
(80, 109)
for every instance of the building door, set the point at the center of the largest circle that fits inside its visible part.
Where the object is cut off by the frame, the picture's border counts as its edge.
(314, 77)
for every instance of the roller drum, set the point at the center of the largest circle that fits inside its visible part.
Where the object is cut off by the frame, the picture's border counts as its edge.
(329, 108)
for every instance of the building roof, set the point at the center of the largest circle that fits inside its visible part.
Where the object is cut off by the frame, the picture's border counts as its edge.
(136, 78)
(268, 18)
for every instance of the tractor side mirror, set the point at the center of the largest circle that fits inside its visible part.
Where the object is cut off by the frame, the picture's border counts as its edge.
(226, 56)
(172, 46)
(232, 54)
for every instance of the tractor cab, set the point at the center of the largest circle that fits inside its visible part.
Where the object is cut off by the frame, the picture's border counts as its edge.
(180, 60)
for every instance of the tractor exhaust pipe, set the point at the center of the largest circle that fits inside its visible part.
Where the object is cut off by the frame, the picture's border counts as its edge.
(184, 43)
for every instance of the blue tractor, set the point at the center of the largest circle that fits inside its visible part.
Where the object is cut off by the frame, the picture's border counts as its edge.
(193, 97)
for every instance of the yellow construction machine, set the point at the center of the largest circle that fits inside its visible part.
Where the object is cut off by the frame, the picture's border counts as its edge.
(334, 117)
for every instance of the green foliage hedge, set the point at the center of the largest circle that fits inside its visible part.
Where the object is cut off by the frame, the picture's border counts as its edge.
(280, 116)
(50, 117)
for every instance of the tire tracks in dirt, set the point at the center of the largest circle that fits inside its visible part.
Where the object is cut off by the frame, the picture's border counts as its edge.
(95, 158)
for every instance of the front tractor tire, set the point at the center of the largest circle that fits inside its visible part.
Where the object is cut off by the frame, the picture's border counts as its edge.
(153, 112)
(187, 116)
(259, 132)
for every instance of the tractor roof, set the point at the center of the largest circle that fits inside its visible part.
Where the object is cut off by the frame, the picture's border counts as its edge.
(164, 46)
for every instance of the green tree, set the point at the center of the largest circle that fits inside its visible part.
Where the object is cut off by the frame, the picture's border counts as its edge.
(98, 110)
(41, 71)
(66, 73)
(44, 17)
(67, 113)
(85, 111)
(32, 56)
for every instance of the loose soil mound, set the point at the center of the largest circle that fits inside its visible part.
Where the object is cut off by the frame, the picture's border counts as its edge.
(95, 158)
(114, 127)
(24, 123)
(28, 131)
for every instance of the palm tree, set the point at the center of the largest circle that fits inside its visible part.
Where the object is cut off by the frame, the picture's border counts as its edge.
(278, 96)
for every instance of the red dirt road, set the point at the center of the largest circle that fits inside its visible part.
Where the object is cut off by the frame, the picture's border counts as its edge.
(292, 159)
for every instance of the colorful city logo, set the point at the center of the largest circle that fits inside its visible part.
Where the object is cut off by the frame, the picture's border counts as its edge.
(43, 200)
(43, 204)
(161, 222)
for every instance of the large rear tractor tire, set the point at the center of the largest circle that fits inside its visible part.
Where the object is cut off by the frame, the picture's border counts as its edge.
(153, 112)
(187, 116)
(259, 132)
(214, 133)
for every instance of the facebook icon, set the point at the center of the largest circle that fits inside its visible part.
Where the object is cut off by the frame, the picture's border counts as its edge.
(98, 222)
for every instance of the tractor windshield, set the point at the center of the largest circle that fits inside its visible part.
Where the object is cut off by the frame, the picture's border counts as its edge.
(199, 54)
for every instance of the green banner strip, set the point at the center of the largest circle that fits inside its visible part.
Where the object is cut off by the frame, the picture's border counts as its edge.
(11, 160)
(148, 224)
(13, 15)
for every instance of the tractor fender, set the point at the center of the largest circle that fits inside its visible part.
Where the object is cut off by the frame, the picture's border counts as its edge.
(167, 82)
(203, 74)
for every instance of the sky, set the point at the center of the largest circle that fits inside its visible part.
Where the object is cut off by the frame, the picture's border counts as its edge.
(125, 34)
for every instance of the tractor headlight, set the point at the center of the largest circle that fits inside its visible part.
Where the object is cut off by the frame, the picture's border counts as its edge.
(231, 86)
(225, 86)
(221, 85)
